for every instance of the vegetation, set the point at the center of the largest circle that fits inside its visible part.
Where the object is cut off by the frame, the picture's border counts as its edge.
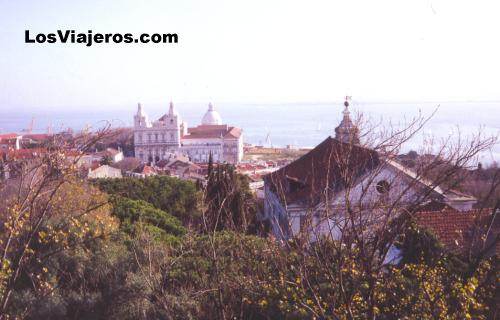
(177, 197)
(162, 248)
(137, 215)
(106, 160)
(229, 203)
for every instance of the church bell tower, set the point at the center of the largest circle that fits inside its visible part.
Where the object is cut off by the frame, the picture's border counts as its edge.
(347, 131)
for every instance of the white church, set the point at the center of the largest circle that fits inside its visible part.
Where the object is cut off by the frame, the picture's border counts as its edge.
(169, 137)
(313, 194)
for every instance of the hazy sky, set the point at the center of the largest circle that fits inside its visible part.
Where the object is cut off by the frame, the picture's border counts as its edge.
(252, 51)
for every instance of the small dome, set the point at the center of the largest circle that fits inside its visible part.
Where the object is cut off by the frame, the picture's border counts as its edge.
(211, 117)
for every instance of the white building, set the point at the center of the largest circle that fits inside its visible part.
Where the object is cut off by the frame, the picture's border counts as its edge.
(87, 160)
(169, 135)
(313, 194)
(104, 171)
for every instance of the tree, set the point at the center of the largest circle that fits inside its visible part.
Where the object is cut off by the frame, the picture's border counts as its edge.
(128, 164)
(106, 160)
(136, 216)
(45, 210)
(229, 203)
(177, 197)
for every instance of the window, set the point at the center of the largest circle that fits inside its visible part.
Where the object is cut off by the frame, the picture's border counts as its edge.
(156, 137)
(383, 187)
(171, 136)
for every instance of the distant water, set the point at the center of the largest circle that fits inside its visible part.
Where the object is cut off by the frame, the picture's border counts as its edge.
(299, 124)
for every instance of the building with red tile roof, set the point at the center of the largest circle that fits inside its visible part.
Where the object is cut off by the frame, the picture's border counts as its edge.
(36, 137)
(10, 141)
(340, 176)
(158, 140)
(22, 154)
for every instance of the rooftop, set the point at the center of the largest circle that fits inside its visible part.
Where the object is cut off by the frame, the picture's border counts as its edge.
(460, 231)
(8, 136)
(213, 131)
(328, 166)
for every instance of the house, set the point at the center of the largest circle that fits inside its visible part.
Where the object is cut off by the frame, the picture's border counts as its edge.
(87, 160)
(10, 141)
(314, 194)
(181, 168)
(113, 154)
(142, 171)
(104, 171)
(22, 154)
(35, 139)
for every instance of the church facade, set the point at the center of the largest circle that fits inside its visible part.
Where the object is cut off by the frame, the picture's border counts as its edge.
(169, 136)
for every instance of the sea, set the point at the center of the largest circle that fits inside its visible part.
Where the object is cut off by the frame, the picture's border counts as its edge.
(282, 124)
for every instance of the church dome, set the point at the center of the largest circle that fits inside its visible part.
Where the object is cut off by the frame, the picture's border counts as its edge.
(211, 117)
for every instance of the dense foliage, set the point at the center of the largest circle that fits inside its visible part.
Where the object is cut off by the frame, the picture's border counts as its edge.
(133, 254)
(177, 197)
(137, 215)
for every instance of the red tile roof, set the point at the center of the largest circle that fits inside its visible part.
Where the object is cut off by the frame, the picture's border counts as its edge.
(434, 205)
(460, 231)
(233, 133)
(330, 165)
(24, 153)
(37, 136)
(147, 170)
(213, 131)
(8, 136)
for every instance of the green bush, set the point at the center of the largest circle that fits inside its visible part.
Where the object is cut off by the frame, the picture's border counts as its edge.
(139, 214)
(175, 196)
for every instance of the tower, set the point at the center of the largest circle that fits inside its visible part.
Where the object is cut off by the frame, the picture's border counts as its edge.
(347, 131)
(140, 118)
(171, 110)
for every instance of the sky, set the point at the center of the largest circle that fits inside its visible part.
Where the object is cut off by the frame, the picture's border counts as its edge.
(259, 51)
